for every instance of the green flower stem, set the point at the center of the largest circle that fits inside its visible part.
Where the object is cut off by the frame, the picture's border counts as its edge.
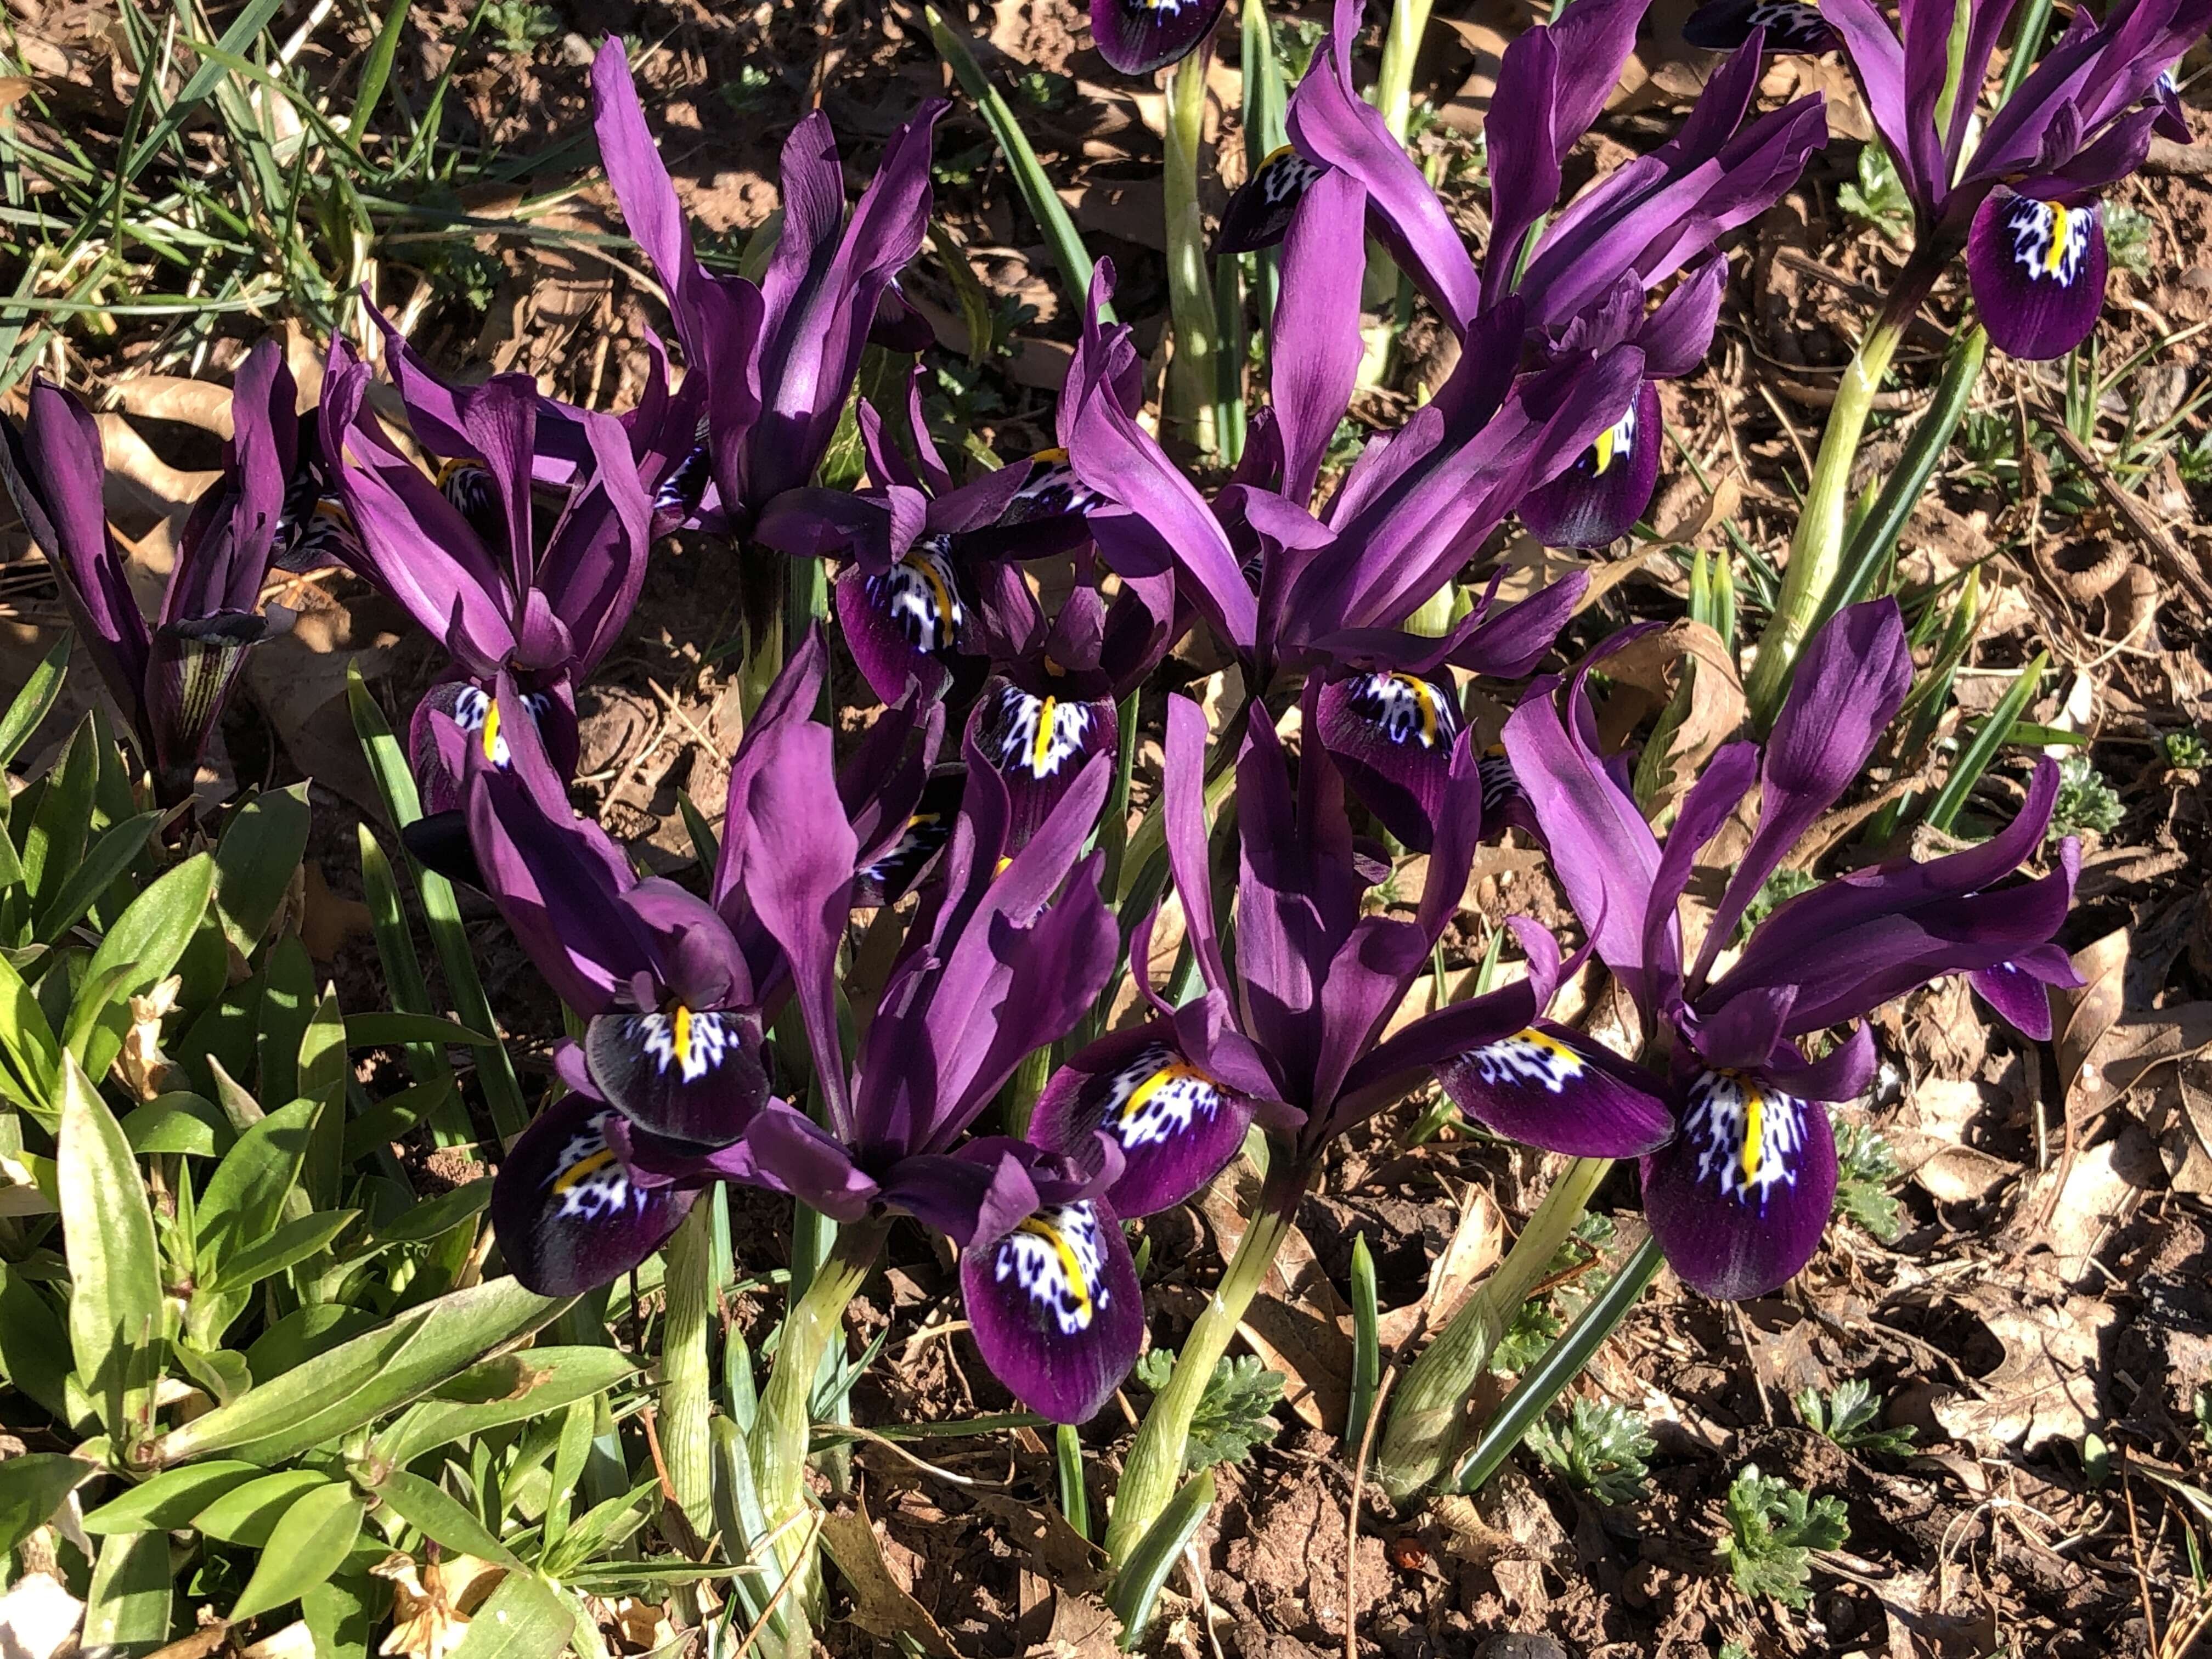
(1154, 1470)
(1192, 378)
(1817, 550)
(784, 1428)
(1428, 1426)
(686, 1383)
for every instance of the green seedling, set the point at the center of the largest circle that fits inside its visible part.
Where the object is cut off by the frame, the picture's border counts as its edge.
(1232, 1417)
(1866, 1169)
(2087, 804)
(1597, 1447)
(1773, 1529)
(1848, 1416)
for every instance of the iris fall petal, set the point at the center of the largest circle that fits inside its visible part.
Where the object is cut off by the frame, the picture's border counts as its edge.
(2037, 270)
(687, 1074)
(1176, 1126)
(1040, 745)
(1055, 1308)
(1392, 734)
(1550, 1087)
(1595, 501)
(1138, 36)
(568, 1214)
(1739, 1201)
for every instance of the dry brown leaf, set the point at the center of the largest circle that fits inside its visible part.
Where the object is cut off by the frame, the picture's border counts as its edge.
(2086, 1015)
(2131, 1051)
(1083, 1627)
(2095, 1193)
(137, 477)
(1929, 1140)
(201, 404)
(1297, 1323)
(1654, 664)
(432, 1604)
(881, 1606)
(2045, 1389)
(1476, 1244)
(327, 919)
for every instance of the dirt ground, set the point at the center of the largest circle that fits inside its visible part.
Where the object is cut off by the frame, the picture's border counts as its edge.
(2042, 1318)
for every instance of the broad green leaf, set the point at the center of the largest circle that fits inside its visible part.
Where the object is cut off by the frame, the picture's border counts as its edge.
(127, 1608)
(255, 860)
(524, 1620)
(398, 1031)
(115, 1315)
(53, 844)
(319, 1531)
(337, 1611)
(221, 1372)
(323, 1077)
(171, 1499)
(117, 846)
(288, 1005)
(304, 1332)
(34, 701)
(99, 998)
(32, 1487)
(181, 1123)
(289, 1245)
(358, 1381)
(34, 1058)
(245, 1197)
(431, 1511)
(248, 1514)
(152, 935)
(390, 1118)
(438, 1215)
(555, 1377)
(34, 1348)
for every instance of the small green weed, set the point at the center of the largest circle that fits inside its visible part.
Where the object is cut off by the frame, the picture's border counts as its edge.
(1779, 889)
(1232, 1418)
(1866, 1169)
(1598, 1448)
(520, 25)
(1773, 1529)
(2185, 751)
(1878, 198)
(2127, 237)
(2087, 804)
(1849, 1416)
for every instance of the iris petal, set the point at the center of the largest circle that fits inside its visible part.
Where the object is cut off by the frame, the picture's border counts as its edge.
(1259, 211)
(1039, 743)
(1555, 1089)
(1138, 36)
(907, 622)
(2037, 271)
(568, 1215)
(1392, 734)
(1176, 1126)
(1055, 1308)
(692, 1075)
(1739, 1201)
(1791, 25)
(1595, 501)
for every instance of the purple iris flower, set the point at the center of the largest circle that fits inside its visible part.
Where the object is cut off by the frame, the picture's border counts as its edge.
(676, 990)
(1009, 949)
(1791, 25)
(928, 588)
(2024, 195)
(462, 553)
(777, 360)
(1738, 1197)
(172, 680)
(1289, 1033)
(1292, 588)
(1582, 280)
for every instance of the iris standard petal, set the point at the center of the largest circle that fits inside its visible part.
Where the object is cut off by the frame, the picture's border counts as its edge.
(568, 1214)
(1055, 1308)
(1176, 1126)
(1739, 1201)
(1550, 1087)
(1596, 501)
(1138, 36)
(1392, 734)
(905, 622)
(688, 1074)
(1039, 743)
(2037, 271)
